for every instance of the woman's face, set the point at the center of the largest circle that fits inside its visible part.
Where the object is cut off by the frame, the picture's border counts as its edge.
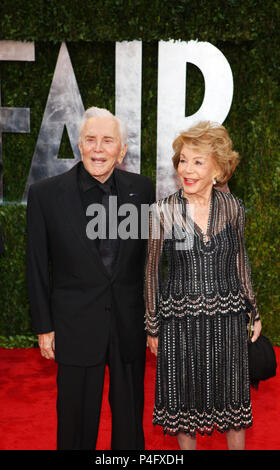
(196, 171)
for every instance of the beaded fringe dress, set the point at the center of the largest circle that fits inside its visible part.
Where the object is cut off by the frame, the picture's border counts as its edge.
(198, 294)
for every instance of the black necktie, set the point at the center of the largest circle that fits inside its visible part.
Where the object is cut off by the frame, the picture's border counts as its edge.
(107, 247)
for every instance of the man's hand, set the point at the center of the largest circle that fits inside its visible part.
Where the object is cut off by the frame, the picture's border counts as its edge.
(152, 342)
(46, 344)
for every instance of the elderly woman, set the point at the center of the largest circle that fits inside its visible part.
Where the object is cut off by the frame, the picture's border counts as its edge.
(199, 295)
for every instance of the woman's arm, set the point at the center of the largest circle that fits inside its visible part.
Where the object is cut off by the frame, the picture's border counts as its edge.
(244, 272)
(154, 249)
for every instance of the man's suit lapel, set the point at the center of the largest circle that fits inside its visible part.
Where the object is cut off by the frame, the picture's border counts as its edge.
(73, 212)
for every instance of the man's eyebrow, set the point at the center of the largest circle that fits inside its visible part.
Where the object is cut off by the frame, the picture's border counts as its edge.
(105, 136)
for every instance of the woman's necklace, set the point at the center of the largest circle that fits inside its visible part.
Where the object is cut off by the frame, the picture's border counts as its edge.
(205, 235)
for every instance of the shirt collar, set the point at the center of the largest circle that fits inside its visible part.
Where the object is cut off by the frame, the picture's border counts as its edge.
(180, 195)
(87, 181)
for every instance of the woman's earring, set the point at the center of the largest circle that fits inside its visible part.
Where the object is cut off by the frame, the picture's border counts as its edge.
(214, 181)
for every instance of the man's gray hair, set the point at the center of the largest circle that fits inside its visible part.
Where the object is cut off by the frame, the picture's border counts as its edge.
(102, 112)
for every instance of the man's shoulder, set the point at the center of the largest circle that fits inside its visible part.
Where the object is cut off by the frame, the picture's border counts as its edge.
(51, 182)
(135, 177)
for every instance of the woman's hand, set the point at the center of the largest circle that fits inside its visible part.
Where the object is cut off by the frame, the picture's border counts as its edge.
(256, 331)
(152, 343)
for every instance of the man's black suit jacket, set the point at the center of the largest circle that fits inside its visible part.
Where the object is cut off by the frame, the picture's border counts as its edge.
(69, 288)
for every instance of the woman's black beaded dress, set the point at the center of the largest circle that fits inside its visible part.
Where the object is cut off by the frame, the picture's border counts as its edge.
(198, 295)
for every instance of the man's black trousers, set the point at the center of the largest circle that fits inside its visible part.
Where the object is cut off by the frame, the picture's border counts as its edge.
(79, 402)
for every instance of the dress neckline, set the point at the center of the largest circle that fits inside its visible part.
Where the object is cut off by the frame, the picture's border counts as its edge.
(205, 237)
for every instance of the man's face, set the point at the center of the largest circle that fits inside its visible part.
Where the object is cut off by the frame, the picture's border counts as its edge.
(100, 147)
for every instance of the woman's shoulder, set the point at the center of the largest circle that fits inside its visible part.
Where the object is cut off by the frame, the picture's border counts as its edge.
(168, 200)
(229, 200)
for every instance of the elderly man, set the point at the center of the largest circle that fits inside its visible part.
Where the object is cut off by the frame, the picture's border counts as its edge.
(86, 294)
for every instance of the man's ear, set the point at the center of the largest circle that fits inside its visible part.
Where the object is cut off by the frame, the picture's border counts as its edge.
(80, 148)
(122, 154)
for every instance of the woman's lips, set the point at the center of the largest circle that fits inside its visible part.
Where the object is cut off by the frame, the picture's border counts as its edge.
(189, 181)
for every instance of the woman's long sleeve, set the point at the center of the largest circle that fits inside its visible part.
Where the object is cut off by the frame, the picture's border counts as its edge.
(243, 265)
(154, 249)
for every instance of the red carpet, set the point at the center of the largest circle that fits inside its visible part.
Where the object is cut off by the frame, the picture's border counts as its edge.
(28, 408)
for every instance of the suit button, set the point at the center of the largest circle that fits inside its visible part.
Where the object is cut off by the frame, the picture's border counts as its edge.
(107, 308)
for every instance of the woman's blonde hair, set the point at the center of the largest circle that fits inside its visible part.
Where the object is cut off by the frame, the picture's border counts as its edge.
(209, 138)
